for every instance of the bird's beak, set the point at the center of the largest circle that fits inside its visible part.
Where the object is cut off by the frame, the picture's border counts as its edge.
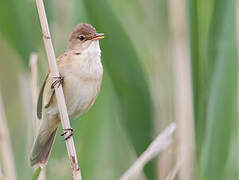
(98, 36)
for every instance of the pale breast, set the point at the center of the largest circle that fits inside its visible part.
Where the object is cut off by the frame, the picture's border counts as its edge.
(82, 73)
(80, 94)
(82, 81)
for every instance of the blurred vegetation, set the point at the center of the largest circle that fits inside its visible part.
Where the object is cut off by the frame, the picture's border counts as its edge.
(36, 174)
(136, 99)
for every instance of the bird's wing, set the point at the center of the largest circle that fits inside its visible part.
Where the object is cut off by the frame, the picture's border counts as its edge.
(40, 97)
(48, 96)
(46, 86)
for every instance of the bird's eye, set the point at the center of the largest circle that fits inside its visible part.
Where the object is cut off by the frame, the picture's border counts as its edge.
(81, 38)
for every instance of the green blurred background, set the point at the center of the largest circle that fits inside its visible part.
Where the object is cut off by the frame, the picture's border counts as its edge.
(136, 100)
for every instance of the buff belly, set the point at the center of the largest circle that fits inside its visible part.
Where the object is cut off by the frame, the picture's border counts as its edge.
(80, 94)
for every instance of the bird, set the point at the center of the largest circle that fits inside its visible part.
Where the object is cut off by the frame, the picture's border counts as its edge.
(81, 73)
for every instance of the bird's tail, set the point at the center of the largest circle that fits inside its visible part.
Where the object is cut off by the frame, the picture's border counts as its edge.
(43, 143)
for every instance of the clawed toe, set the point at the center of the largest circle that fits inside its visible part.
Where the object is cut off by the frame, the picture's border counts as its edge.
(58, 81)
(71, 132)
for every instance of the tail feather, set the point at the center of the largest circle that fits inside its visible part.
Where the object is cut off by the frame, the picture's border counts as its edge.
(42, 148)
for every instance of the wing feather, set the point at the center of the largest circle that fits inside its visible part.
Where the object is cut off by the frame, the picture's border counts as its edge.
(40, 98)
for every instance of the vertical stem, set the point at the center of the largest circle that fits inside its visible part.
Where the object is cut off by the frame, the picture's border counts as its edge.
(34, 93)
(34, 89)
(1, 175)
(183, 89)
(237, 41)
(59, 92)
(25, 91)
(5, 146)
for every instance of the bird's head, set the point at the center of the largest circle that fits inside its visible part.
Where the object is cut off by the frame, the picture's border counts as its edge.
(82, 36)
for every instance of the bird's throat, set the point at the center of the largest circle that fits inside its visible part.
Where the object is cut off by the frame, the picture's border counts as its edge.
(93, 52)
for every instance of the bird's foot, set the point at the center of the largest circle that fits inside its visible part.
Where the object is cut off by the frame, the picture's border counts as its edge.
(68, 130)
(58, 81)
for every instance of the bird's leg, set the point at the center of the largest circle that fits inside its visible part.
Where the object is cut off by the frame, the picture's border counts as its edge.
(70, 130)
(58, 81)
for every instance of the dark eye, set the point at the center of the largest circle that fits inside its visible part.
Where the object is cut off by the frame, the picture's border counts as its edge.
(81, 38)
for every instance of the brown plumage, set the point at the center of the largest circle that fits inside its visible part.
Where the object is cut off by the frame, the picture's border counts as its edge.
(81, 68)
(82, 29)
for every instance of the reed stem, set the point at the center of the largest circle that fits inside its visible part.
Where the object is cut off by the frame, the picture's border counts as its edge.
(58, 90)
